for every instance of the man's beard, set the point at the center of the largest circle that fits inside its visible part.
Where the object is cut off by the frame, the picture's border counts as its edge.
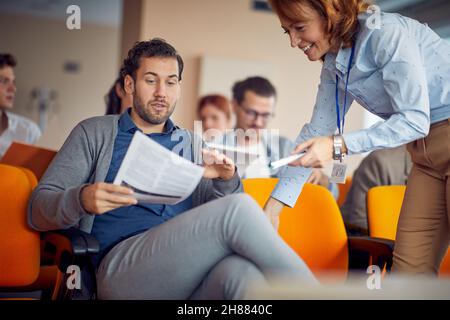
(146, 114)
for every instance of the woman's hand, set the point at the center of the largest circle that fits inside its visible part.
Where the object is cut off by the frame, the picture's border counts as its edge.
(319, 152)
(319, 178)
(217, 165)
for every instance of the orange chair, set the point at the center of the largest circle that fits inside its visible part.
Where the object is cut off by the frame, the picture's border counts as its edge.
(315, 230)
(30, 261)
(20, 246)
(383, 211)
(28, 156)
(444, 270)
(343, 190)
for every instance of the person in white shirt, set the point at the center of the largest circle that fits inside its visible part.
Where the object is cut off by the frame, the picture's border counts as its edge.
(12, 126)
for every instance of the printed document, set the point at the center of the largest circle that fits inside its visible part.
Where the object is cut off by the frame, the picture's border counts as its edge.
(156, 174)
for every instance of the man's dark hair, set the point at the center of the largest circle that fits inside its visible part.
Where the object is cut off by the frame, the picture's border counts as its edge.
(7, 60)
(259, 85)
(155, 47)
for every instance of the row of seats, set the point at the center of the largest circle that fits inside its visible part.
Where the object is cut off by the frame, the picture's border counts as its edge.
(313, 228)
(383, 211)
(31, 261)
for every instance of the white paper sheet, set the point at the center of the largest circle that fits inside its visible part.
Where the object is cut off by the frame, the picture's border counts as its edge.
(285, 161)
(156, 174)
(242, 156)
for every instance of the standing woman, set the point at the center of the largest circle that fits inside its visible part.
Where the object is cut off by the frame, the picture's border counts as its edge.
(399, 70)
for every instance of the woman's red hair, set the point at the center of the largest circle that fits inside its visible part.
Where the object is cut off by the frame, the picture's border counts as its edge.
(341, 16)
(217, 100)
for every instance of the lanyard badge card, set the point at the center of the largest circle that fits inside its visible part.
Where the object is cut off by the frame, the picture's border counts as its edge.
(338, 173)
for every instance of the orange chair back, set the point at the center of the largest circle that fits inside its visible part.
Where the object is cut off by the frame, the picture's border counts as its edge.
(383, 211)
(19, 245)
(314, 228)
(343, 190)
(444, 270)
(28, 156)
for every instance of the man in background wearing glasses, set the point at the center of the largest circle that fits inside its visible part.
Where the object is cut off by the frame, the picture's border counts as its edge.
(12, 126)
(253, 103)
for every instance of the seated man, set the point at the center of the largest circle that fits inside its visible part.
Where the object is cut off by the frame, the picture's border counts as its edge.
(12, 126)
(210, 246)
(379, 168)
(253, 103)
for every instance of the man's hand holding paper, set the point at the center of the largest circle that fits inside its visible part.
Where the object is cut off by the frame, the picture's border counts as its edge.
(156, 174)
(102, 197)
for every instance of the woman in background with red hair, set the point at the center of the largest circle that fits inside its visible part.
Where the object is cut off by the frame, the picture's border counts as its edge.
(215, 113)
(398, 69)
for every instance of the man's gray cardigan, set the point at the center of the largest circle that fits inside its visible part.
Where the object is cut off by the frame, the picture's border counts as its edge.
(85, 158)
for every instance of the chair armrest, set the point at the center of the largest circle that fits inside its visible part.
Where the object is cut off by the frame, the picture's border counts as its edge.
(355, 230)
(372, 245)
(380, 250)
(66, 247)
(89, 246)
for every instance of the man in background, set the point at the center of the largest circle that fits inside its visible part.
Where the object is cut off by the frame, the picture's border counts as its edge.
(380, 168)
(12, 126)
(253, 103)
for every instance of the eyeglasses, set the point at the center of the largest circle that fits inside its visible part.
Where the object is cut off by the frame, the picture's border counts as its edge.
(6, 82)
(253, 115)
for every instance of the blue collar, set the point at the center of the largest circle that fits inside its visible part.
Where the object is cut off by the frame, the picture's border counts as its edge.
(342, 60)
(330, 62)
(126, 124)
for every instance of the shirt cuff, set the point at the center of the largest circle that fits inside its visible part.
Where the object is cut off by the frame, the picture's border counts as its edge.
(79, 204)
(290, 185)
(228, 186)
